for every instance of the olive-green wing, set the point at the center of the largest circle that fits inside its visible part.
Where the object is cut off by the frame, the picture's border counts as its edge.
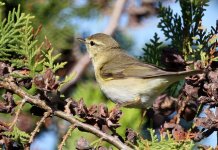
(130, 67)
(118, 68)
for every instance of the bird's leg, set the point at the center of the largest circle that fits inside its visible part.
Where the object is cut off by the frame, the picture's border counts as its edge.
(144, 111)
(143, 114)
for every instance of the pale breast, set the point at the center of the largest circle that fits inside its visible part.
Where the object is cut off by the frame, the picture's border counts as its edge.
(127, 90)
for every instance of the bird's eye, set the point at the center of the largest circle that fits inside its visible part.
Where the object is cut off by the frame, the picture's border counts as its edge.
(92, 43)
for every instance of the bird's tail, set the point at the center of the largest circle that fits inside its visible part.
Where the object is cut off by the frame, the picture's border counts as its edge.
(189, 73)
(176, 76)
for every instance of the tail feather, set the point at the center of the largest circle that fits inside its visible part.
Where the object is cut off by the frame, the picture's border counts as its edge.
(176, 76)
(189, 73)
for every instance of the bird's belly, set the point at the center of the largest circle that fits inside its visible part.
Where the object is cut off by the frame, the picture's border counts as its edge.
(123, 91)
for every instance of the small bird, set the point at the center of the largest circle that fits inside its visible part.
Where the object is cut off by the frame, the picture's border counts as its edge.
(125, 80)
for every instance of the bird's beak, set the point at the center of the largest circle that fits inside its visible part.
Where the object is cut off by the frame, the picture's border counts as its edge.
(81, 40)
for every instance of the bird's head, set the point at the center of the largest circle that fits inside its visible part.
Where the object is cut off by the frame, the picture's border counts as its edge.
(99, 44)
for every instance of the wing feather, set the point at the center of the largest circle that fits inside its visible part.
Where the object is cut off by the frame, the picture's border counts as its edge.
(131, 67)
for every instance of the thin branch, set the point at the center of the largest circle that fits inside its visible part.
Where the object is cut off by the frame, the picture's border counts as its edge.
(40, 103)
(71, 128)
(10, 85)
(181, 108)
(201, 135)
(67, 106)
(38, 125)
(17, 113)
(4, 126)
(116, 142)
(117, 11)
(96, 142)
(82, 64)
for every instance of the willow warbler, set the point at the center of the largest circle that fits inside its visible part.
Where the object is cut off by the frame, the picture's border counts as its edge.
(124, 79)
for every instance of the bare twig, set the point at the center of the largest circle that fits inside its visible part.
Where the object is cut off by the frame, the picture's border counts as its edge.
(67, 106)
(33, 100)
(38, 125)
(36, 130)
(116, 142)
(4, 126)
(96, 142)
(181, 108)
(201, 135)
(7, 84)
(70, 129)
(17, 113)
(82, 64)
(118, 8)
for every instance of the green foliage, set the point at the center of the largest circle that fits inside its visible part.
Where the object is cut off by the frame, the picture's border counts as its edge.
(181, 29)
(205, 44)
(165, 142)
(16, 40)
(67, 79)
(152, 51)
(175, 89)
(1, 3)
(18, 45)
(171, 25)
(53, 17)
(17, 135)
(185, 33)
(1, 10)
(50, 60)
